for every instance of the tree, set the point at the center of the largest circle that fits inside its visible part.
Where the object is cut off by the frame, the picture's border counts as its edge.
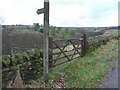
(62, 33)
(36, 26)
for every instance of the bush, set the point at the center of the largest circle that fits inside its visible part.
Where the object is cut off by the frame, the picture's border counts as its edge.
(30, 63)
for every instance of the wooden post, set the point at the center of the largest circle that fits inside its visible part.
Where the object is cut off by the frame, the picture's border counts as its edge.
(45, 39)
(50, 52)
(84, 45)
(45, 10)
(1, 58)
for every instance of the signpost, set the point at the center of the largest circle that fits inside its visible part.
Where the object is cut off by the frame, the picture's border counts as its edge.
(45, 10)
(40, 11)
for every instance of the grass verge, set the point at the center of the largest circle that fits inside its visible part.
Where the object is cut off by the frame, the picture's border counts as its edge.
(86, 72)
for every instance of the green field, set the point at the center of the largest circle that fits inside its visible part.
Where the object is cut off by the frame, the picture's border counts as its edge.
(86, 72)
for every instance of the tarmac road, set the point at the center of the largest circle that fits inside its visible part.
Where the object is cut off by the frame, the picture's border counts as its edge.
(111, 81)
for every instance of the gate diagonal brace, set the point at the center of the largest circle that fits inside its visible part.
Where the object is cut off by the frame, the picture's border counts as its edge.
(62, 50)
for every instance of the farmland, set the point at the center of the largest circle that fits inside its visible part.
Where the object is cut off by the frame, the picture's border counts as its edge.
(32, 40)
(29, 37)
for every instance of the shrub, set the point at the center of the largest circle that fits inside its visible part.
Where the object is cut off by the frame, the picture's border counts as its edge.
(30, 64)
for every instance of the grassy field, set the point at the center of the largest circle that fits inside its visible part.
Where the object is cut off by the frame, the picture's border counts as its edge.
(86, 72)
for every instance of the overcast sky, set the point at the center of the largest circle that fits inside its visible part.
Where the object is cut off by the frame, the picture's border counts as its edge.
(71, 13)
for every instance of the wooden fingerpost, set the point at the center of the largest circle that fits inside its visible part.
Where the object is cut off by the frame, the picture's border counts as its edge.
(46, 35)
(84, 45)
(45, 10)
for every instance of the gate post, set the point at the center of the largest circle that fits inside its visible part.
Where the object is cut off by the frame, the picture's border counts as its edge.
(50, 52)
(84, 45)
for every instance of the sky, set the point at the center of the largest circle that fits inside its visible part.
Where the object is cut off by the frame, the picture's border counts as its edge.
(63, 13)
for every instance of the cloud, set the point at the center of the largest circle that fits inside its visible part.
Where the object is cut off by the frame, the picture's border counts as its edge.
(88, 13)
(110, 20)
(73, 13)
(23, 12)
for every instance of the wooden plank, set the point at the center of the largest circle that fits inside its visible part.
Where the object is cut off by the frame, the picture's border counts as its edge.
(50, 51)
(60, 43)
(84, 45)
(65, 51)
(56, 60)
(76, 42)
(75, 51)
(64, 57)
(61, 51)
(75, 47)
(50, 42)
(66, 61)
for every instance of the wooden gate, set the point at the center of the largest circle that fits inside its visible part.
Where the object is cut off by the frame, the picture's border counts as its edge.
(62, 51)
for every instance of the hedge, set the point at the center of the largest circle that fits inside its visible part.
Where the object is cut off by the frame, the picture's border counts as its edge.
(29, 62)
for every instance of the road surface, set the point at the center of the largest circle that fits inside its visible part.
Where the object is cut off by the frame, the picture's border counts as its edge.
(111, 80)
